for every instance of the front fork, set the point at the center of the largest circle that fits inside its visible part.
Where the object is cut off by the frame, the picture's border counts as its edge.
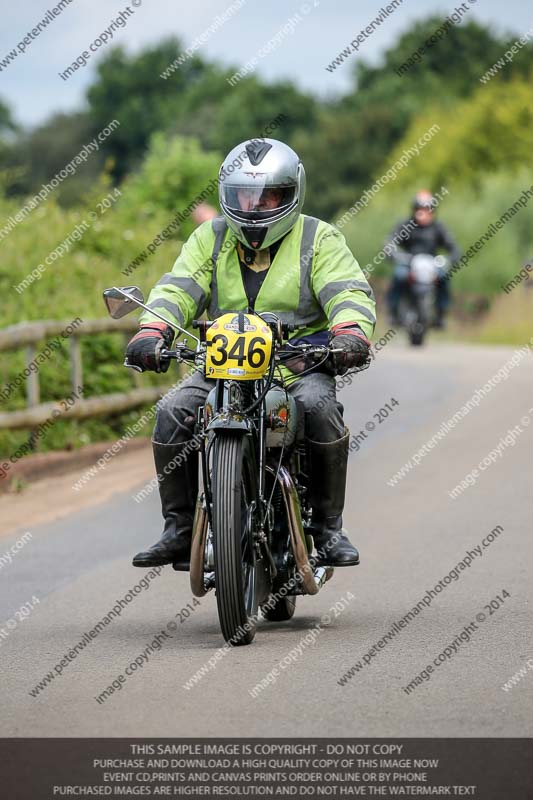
(259, 518)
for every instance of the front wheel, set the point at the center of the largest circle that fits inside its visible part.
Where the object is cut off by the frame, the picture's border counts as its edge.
(419, 325)
(416, 334)
(234, 493)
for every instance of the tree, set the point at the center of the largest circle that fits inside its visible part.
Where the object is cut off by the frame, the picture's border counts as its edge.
(351, 145)
(39, 155)
(7, 123)
(491, 131)
(130, 88)
(455, 62)
(175, 172)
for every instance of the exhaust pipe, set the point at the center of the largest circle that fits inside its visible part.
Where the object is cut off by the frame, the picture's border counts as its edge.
(312, 578)
(199, 534)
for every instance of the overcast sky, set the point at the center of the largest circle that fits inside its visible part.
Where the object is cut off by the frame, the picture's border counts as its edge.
(32, 87)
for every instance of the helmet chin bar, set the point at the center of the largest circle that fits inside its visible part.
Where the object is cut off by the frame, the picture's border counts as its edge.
(255, 236)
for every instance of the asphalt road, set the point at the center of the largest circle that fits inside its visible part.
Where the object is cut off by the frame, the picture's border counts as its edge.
(411, 535)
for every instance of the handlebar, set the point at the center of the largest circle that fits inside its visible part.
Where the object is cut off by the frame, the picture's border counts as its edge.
(287, 327)
(183, 353)
(179, 354)
(317, 351)
(268, 318)
(186, 354)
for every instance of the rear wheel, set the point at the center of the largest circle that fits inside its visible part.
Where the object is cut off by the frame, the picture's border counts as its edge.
(233, 481)
(282, 610)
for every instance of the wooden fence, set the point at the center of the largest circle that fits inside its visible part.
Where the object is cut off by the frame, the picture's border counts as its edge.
(28, 334)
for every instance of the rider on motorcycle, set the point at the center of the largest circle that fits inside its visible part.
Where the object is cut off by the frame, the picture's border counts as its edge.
(261, 255)
(421, 233)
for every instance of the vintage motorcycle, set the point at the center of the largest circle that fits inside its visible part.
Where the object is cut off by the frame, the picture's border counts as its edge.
(416, 309)
(251, 539)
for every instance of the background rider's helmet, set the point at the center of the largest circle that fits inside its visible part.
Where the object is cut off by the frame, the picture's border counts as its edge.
(423, 207)
(261, 191)
(423, 200)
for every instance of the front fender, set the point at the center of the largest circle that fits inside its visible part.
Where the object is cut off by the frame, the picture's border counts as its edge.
(227, 420)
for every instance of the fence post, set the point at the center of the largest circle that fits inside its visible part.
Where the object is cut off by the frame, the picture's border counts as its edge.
(32, 381)
(76, 369)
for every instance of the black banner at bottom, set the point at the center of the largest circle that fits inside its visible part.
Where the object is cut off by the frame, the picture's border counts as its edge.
(42, 769)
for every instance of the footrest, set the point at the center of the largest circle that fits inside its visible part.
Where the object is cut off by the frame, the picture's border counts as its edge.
(181, 566)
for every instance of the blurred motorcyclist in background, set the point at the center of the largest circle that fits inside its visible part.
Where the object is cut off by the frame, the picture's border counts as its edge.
(420, 233)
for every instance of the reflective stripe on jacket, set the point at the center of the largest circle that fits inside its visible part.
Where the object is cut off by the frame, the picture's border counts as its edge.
(314, 280)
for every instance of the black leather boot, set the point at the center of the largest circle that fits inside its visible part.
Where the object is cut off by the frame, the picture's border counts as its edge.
(328, 466)
(177, 471)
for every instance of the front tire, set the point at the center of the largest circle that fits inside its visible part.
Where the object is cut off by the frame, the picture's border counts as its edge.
(418, 328)
(233, 481)
(416, 335)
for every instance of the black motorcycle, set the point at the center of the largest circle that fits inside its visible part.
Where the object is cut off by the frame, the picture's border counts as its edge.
(251, 538)
(416, 309)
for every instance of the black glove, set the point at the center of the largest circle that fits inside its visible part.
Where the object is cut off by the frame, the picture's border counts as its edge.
(144, 350)
(355, 347)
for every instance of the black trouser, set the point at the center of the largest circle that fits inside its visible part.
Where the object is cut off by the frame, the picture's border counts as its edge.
(314, 393)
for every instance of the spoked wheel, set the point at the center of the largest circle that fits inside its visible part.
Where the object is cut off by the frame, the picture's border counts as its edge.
(233, 481)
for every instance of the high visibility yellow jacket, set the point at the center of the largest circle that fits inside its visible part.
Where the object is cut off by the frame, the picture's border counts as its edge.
(314, 280)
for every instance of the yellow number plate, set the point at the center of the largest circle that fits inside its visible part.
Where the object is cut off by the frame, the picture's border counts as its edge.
(239, 347)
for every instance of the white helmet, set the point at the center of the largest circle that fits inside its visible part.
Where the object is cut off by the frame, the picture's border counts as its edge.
(261, 191)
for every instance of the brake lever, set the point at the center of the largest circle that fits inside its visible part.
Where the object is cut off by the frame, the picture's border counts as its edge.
(181, 353)
(132, 366)
(164, 353)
